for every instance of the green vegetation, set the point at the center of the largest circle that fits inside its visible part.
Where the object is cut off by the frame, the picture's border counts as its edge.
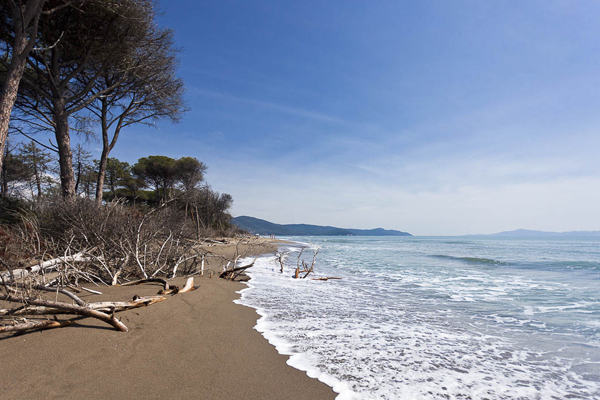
(262, 227)
(151, 182)
(95, 68)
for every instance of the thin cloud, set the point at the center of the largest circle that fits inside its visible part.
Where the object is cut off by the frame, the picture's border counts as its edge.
(298, 112)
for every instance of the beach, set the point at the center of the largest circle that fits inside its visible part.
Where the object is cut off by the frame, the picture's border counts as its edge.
(197, 345)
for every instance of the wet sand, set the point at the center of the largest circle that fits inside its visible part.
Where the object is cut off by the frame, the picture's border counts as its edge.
(196, 345)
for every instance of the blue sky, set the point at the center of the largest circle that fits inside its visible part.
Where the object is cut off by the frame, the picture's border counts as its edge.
(432, 117)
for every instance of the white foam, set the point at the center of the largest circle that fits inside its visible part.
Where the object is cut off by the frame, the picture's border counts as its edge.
(409, 332)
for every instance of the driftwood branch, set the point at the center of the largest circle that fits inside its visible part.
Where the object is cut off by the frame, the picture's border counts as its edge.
(231, 274)
(306, 269)
(281, 256)
(90, 290)
(75, 309)
(324, 278)
(149, 280)
(189, 285)
(102, 306)
(42, 267)
(62, 291)
(33, 325)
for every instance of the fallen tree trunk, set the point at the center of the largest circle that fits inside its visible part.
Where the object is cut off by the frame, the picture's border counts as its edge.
(44, 266)
(74, 309)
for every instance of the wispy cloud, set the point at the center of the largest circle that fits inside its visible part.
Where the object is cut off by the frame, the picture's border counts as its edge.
(295, 111)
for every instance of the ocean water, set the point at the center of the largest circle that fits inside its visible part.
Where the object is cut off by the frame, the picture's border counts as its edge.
(438, 318)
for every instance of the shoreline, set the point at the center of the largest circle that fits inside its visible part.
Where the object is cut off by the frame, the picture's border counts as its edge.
(194, 345)
(286, 348)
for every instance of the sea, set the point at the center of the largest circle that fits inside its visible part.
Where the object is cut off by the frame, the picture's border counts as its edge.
(437, 317)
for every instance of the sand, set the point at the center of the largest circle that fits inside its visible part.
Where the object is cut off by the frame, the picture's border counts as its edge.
(196, 345)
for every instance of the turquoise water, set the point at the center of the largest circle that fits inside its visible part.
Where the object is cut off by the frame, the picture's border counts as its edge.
(439, 318)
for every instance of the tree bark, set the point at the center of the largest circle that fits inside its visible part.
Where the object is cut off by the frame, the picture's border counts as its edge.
(63, 142)
(101, 175)
(4, 188)
(105, 150)
(8, 95)
(24, 18)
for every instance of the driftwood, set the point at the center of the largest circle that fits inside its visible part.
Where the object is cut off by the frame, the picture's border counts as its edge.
(60, 290)
(223, 241)
(90, 290)
(44, 266)
(306, 269)
(116, 306)
(149, 280)
(189, 285)
(53, 289)
(281, 256)
(231, 274)
(33, 325)
(74, 309)
(324, 278)
(102, 306)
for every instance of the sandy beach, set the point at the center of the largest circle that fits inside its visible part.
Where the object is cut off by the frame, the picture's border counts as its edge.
(196, 345)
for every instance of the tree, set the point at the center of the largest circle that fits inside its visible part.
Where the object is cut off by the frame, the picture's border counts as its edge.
(39, 162)
(189, 172)
(210, 209)
(14, 171)
(157, 171)
(134, 186)
(81, 164)
(116, 173)
(19, 22)
(79, 44)
(148, 93)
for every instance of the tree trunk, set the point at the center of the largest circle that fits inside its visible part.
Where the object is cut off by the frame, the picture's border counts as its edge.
(24, 18)
(4, 188)
(78, 177)
(101, 176)
(38, 179)
(65, 159)
(8, 94)
(104, 156)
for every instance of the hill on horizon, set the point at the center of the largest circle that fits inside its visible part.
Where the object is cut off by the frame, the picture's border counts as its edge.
(262, 227)
(531, 233)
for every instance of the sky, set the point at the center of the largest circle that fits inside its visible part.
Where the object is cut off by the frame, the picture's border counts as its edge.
(431, 117)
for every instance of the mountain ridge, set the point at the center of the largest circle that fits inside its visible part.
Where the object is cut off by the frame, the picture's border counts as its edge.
(263, 227)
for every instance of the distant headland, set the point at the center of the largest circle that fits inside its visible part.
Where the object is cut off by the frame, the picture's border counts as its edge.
(262, 227)
(530, 233)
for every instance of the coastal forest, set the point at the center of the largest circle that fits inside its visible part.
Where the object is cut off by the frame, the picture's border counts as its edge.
(76, 73)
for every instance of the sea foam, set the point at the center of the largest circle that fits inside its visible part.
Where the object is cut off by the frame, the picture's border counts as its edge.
(399, 326)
